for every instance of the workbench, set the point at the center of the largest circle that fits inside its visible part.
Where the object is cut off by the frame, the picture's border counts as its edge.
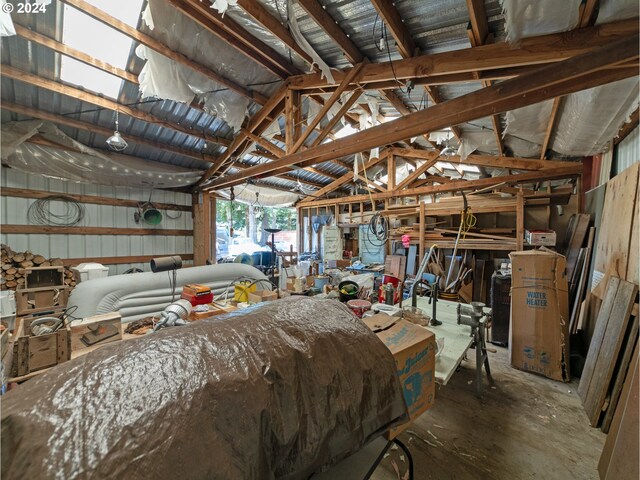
(457, 338)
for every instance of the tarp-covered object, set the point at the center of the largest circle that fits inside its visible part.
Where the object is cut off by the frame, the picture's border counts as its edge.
(280, 390)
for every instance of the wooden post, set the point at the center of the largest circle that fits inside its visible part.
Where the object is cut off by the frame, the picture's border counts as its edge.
(300, 225)
(422, 231)
(213, 245)
(391, 172)
(520, 220)
(292, 117)
(309, 231)
(201, 228)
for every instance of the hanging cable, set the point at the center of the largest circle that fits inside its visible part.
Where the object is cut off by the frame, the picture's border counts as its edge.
(40, 211)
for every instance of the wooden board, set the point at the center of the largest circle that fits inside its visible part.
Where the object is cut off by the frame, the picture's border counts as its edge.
(633, 266)
(598, 335)
(577, 240)
(619, 459)
(609, 350)
(630, 342)
(395, 265)
(617, 221)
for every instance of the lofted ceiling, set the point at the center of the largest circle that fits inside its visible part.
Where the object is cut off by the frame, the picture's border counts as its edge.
(234, 64)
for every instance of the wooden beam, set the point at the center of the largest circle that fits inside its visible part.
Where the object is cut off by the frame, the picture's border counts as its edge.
(264, 143)
(153, 44)
(347, 177)
(478, 20)
(532, 51)
(292, 116)
(202, 228)
(261, 15)
(336, 118)
(390, 16)
(69, 262)
(91, 199)
(479, 35)
(417, 172)
(457, 185)
(335, 96)
(514, 163)
(25, 77)
(63, 49)
(49, 230)
(391, 172)
(588, 10)
(272, 106)
(550, 127)
(316, 11)
(627, 128)
(225, 28)
(72, 123)
(578, 73)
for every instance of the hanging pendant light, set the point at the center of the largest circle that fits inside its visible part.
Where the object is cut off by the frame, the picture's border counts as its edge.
(115, 141)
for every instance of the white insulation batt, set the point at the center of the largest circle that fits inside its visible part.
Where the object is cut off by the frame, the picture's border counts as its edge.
(164, 78)
(79, 163)
(586, 120)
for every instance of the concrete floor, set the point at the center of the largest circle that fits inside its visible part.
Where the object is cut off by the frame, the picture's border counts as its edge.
(526, 427)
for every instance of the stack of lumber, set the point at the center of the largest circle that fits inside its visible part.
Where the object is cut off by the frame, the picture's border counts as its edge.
(446, 237)
(15, 265)
(610, 352)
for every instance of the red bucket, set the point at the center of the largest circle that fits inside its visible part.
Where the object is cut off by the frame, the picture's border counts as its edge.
(395, 281)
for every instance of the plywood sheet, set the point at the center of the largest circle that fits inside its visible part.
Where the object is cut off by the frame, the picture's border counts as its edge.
(617, 221)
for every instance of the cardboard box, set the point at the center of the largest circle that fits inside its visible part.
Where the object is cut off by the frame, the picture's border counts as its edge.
(539, 321)
(414, 350)
(338, 263)
(545, 238)
(96, 330)
(262, 296)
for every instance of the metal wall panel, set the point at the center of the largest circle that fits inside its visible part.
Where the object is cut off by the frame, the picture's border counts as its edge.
(14, 211)
(628, 151)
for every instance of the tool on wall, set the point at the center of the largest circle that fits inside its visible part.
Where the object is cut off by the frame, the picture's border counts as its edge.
(474, 315)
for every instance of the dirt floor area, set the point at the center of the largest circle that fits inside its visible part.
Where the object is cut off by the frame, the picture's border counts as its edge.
(525, 427)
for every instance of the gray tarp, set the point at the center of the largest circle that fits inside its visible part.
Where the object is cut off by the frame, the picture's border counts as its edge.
(275, 391)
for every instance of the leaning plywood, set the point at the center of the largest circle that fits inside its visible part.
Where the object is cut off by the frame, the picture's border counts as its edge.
(617, 224)
(612, 340)
(619, 459)
(633, 267)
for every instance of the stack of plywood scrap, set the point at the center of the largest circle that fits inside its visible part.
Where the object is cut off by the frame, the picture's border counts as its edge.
(15, 266)
(610, 352)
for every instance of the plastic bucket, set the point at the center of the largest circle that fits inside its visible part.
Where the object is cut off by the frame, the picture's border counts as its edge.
(321, 281)
(345, 297)
(358, 307)
(242, 290)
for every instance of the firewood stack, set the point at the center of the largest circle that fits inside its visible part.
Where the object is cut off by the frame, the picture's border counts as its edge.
(14, 265)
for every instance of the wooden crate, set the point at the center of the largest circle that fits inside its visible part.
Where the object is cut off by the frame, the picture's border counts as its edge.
(31, 354)
(96, 330)
(36, 277)
(43, 298)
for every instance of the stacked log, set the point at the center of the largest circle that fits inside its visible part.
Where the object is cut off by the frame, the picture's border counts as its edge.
(14, 265)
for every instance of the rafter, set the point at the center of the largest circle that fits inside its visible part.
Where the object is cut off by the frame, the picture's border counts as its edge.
(25, 77)
(347, 177)
(107, 132)
(578, 73)
(405, 44)
(479, 35)
(457, 185)
(550, 127)
(228, 30)
(588, 11)
(353, 75)
(627, 128)
(531, 51)
(153, 44)
(418, 171)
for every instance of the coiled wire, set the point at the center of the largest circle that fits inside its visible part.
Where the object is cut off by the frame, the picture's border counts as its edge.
(379, 229)
(40, 211)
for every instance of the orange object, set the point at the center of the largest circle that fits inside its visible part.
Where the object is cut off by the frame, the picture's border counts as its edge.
(197, 294)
